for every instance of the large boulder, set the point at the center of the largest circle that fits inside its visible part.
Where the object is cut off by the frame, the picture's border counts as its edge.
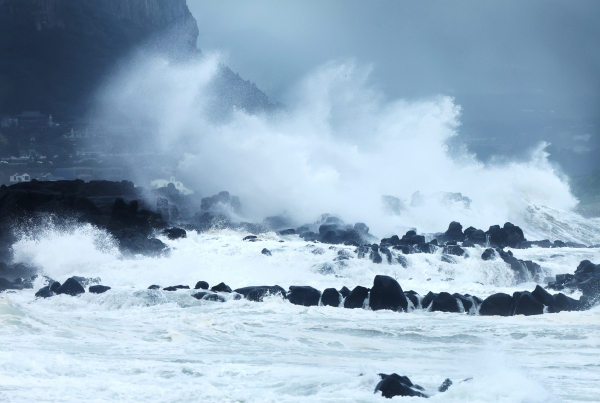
(499, 304)
(70, 287)
(357, 297)
(466, 302)
(427, 299)
(387, 294)
(331, 297)
(454, 232)
(44, 292)
(413, 297)
(488, 254)
(221, 287)
(201, 285)
(258, 293)
(526, 304)
(444, 302)
(304, 295)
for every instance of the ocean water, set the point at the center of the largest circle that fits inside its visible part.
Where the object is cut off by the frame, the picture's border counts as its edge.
(133, 344)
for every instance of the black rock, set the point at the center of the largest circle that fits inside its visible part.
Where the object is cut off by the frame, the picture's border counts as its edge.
(290, 231)
(543, 296)
(454, 250)
(175, 233)
(249, 237)
(345, 291)
(331, 297)
(387, 294)
(374, 254)
(454, 232)
(427, 299)
(44, 292)
(258, 293)
(70, 287)
(209, 296)
(54, 286)
(445, 385)
(499, 304)
(266, 252)
(564, 303)
(526, 304)
(221, 287)
(444, 302)
(176, 287)
(466, 302)
(413, 297)
(475, 236)
(357, 297)
(154, 287)
(201, 285)
(396, 385)
(488, 254)
(304, 295)
(98, 289)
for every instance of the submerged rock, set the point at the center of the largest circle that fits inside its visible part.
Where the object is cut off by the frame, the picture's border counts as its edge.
(258, 293)
(397, 385)
(221, 287)
(98, 289)
(44, 292)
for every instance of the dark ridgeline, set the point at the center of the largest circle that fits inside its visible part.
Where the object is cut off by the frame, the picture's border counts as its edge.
(55, 53)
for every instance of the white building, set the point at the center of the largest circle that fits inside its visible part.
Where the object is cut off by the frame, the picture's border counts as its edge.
(16, 178)
(163, 183)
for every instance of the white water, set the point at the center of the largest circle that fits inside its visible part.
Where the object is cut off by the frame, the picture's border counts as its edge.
(338, 148)
(132, 344)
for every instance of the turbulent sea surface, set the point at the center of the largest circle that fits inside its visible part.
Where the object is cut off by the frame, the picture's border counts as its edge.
(133, 344)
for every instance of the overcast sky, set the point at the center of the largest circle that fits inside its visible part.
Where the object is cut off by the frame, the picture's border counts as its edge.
(523, 71)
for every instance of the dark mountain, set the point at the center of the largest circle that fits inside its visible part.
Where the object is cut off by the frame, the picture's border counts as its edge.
(55, 53)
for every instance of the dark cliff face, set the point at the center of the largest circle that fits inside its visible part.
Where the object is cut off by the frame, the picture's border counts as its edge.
(55, 53)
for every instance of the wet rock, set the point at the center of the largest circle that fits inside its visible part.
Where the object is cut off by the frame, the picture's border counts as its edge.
(70, 287)
(209, 296)
(543, 296)
(304, 295)
(54, 286)
(175, 233)
(201, 285)
(488, 254)
(444, 302)
(154, 287)
(413, 297)
(176, 287)
(564, 303)
(475, 236)
(508, 236)
(396, 385)
(266, 252)
(357, 297)
(543, 244)
(499, 304)
(98, 289)
(345, 291)
(445, 385)
(454, 232)
(374, 254)
(259, 293)
(249, 237)
(44, 292)
(427, 299)
(526, 304)
(405, 249)
(454, 250)
(387, 253)
(387, 294)
(465, 301)
(331, 297)
(285, 232)
(221, 287)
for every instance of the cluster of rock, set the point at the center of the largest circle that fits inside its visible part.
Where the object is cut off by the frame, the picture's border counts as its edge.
(385, 294)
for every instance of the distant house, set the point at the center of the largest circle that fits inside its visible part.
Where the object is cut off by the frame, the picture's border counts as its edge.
(16, 178)
(163, 183)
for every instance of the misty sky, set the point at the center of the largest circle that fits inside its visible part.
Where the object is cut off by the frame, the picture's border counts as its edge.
(523, 71)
